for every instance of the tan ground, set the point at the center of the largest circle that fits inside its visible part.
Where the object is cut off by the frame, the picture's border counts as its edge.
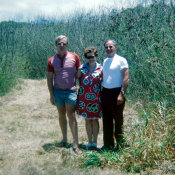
(29, 127)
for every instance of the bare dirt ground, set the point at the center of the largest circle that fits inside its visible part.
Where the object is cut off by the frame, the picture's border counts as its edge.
(29, 129)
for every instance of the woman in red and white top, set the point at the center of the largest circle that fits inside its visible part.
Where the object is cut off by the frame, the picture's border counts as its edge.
(89, 97)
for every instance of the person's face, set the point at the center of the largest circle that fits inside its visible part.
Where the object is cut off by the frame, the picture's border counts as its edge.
(62, 46)
(110, 48)
(90, 57)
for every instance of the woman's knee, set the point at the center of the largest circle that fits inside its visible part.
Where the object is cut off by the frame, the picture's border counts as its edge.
(88, 121)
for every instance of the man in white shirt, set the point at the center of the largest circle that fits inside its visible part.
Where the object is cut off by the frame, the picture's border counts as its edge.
(115, 82)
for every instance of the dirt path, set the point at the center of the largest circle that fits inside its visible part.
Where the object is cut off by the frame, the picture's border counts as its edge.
(29, 123)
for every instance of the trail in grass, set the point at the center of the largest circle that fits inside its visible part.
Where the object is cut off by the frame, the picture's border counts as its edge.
(28, 122)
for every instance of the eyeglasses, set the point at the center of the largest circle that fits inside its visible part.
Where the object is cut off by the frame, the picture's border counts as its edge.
(59, 44)
(106, 47)
(89, 57)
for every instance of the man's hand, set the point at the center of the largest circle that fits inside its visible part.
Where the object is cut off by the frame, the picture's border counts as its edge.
(50, 87)
(52, 100)
(120, 99)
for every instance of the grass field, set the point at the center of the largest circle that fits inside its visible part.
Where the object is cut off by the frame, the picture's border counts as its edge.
(29, 132)
(29, 123)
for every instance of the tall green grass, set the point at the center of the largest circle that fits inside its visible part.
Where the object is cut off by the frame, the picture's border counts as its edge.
(144, 35)
(151, 145)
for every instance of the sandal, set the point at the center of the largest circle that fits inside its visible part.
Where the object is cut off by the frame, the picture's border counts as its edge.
(77, 150)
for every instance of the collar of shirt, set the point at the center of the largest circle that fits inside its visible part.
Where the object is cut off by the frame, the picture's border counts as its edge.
(97, 66)
(61, 58)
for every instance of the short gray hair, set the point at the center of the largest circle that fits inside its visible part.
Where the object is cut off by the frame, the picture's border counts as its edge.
(60, 37)
(114, 42)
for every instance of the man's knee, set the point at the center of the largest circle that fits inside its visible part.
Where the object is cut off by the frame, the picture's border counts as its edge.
(61, 111)
(70, 109)
(71, 117)
(62, 114)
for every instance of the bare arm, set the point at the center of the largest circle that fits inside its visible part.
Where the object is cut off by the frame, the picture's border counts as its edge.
(125, 74)
(79, 74)
(50, 86)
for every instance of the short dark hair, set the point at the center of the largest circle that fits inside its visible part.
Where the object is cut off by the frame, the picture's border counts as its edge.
(90, 50)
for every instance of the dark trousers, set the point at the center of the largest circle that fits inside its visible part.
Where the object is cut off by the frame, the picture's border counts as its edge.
(112, 116)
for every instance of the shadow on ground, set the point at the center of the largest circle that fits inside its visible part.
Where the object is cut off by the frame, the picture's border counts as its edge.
(51, 146)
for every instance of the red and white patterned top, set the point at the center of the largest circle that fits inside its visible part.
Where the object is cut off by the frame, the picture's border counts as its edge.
(89, 96)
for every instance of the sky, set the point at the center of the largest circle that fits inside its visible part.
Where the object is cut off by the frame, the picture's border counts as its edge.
(22, 10)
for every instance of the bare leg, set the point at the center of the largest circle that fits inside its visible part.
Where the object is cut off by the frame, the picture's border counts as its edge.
(89, 130)
(95, 129)
(70, 109)
(63, 121)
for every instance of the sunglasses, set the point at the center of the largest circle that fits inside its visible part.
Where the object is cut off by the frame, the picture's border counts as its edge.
(89, 57)
(106, 47)
(59, 44)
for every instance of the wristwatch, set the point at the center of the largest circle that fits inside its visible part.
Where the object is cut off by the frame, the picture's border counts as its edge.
(123, 92)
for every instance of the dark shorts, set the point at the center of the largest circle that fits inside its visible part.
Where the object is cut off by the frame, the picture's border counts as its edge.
(65, 96)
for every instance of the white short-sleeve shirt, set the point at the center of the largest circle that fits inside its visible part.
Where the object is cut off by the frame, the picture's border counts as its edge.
(112, 75)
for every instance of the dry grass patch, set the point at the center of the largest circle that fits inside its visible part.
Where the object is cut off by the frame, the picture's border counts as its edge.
(30, 132)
